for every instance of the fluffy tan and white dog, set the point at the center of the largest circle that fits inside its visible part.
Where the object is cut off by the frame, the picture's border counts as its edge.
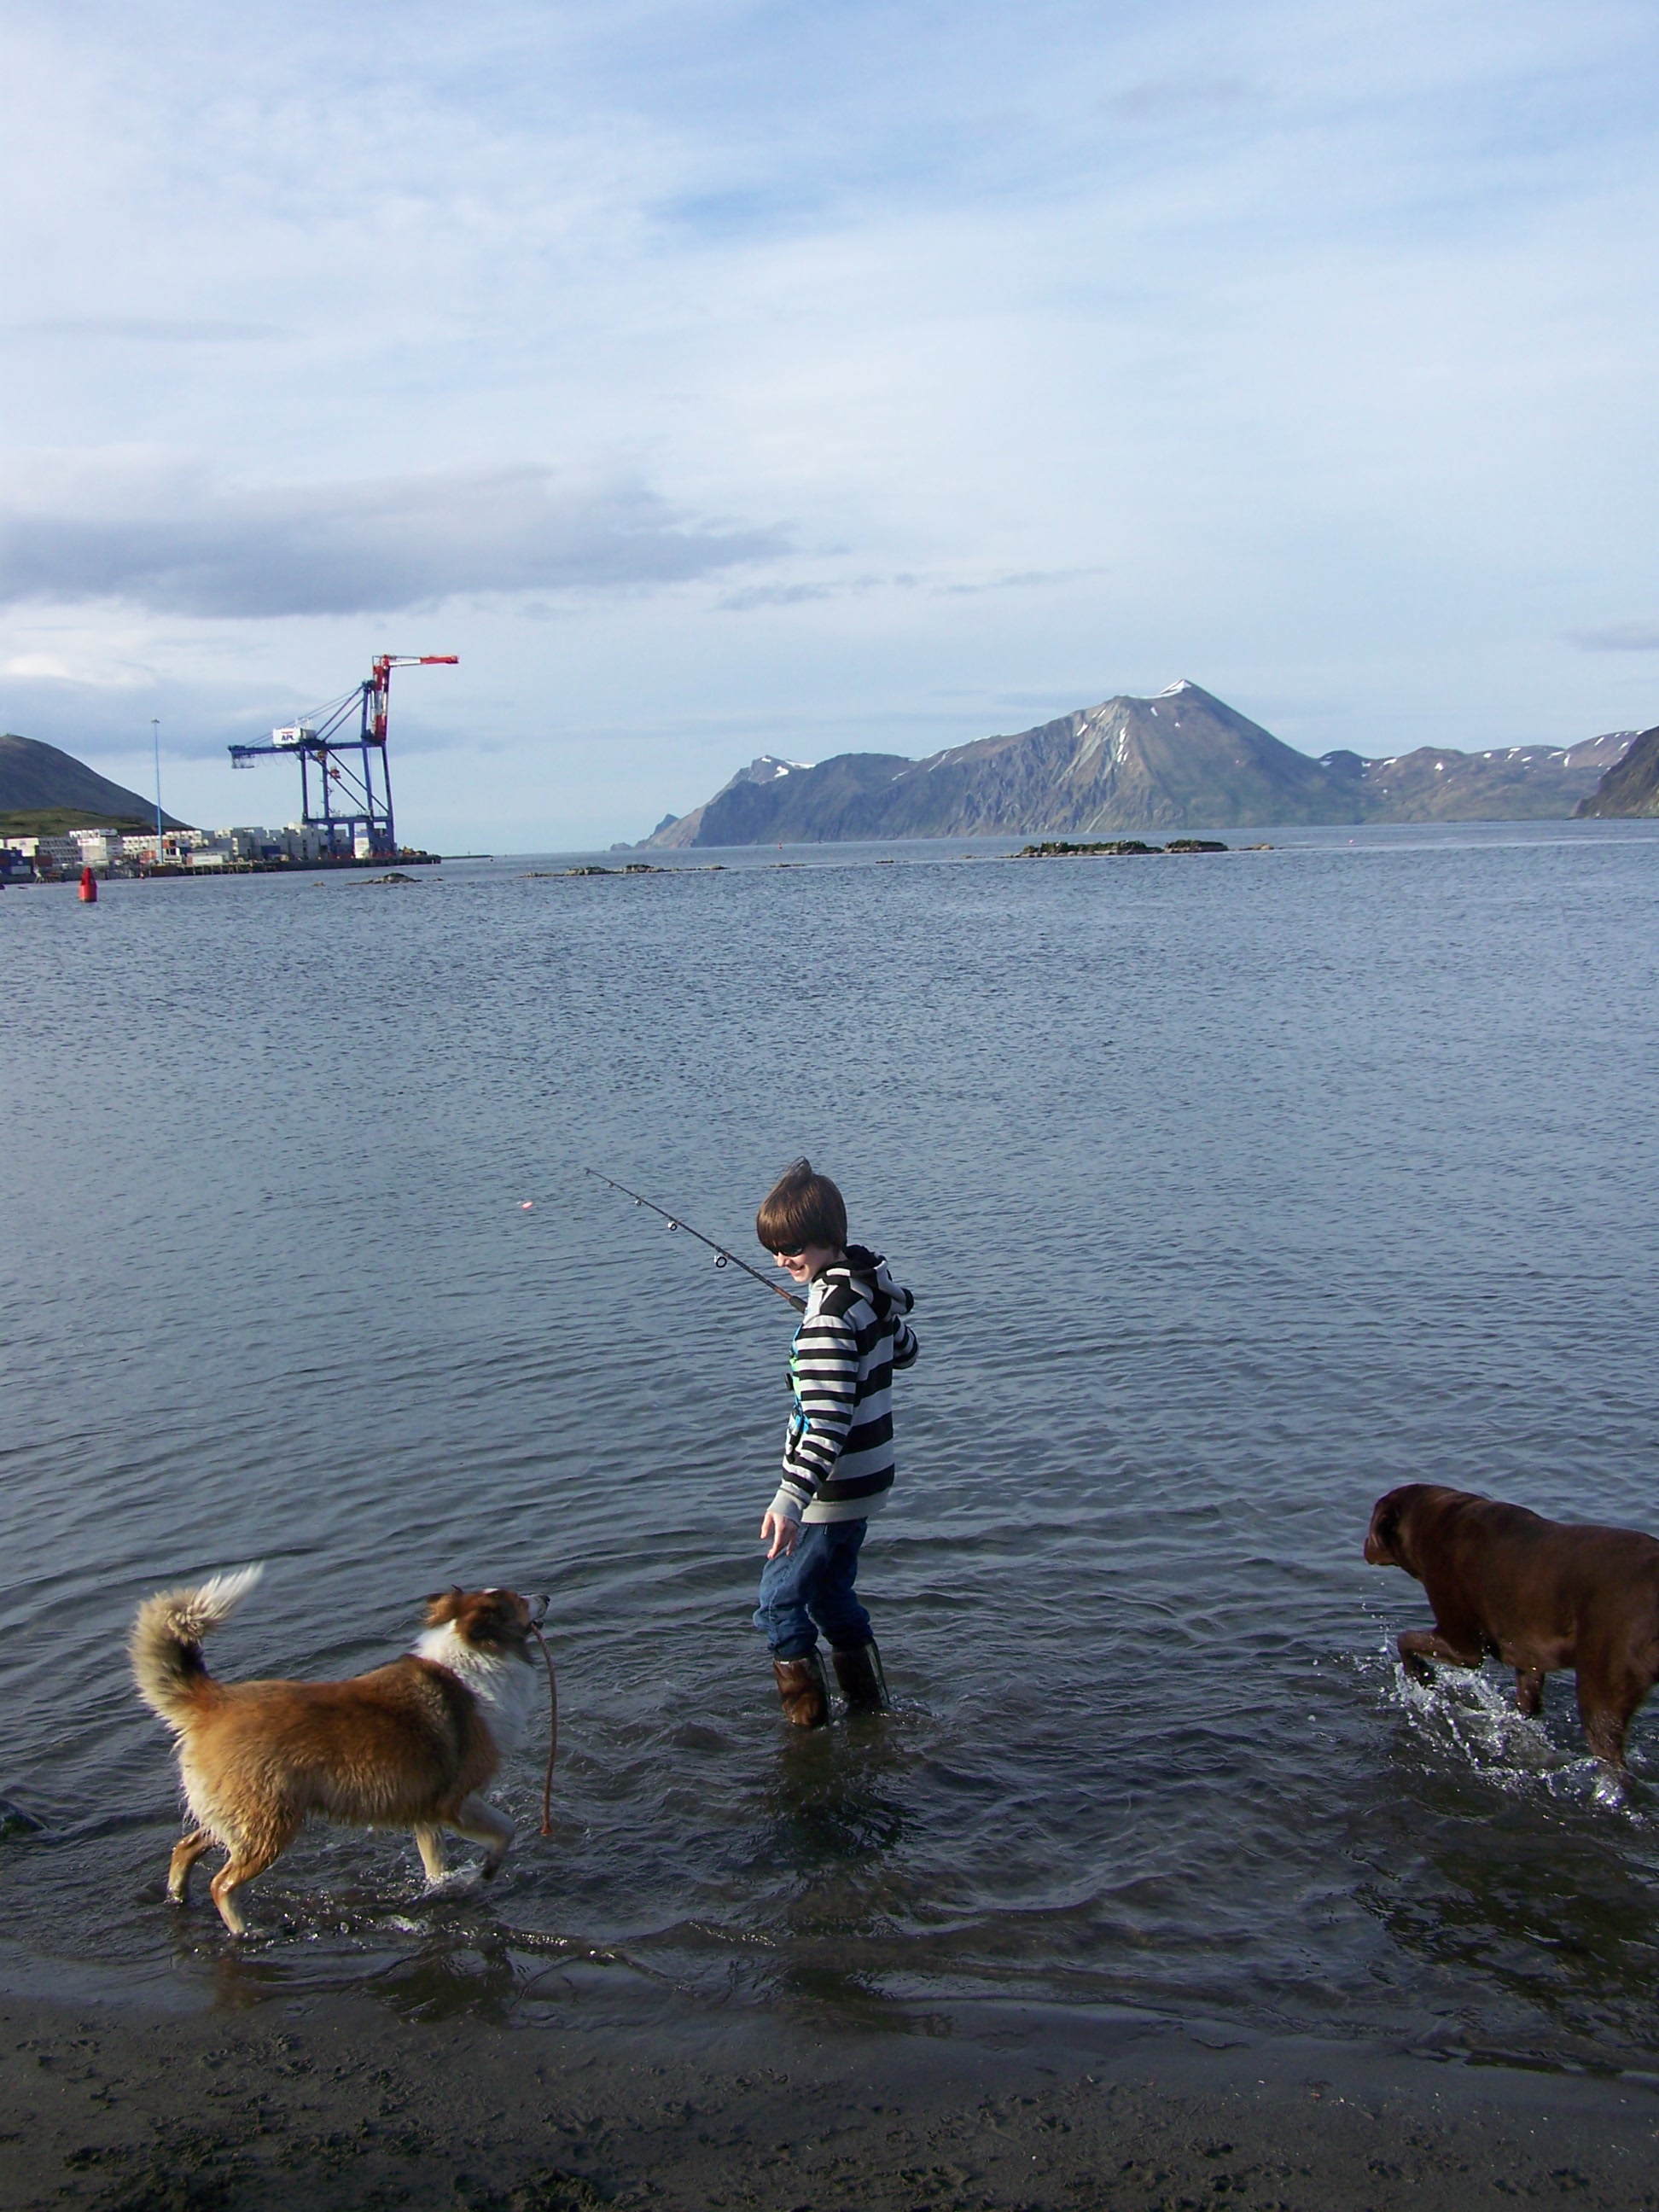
(410, 1746)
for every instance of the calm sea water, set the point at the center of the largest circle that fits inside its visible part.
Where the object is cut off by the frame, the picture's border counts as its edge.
(1232, 1190)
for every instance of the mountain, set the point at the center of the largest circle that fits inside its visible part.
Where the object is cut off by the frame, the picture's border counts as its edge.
(1630, 785)
(38, 779)
(1510, 783)
(1181, 760)
(680, 830)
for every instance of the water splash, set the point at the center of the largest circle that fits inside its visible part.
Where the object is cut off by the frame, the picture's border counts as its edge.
(1469, 1716)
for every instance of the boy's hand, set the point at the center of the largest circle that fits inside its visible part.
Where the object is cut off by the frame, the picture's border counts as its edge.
(780, 1531)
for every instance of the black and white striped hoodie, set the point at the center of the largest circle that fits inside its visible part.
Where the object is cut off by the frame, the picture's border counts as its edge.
(838, 1461)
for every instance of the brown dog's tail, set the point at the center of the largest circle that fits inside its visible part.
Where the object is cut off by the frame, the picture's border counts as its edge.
(166, 1644)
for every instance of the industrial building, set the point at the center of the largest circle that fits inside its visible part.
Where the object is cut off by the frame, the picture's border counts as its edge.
(115, 852)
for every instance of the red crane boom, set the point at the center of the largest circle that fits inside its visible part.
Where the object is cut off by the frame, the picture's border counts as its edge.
(380, 683)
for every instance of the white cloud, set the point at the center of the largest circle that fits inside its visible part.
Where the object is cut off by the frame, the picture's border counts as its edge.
(53, 668)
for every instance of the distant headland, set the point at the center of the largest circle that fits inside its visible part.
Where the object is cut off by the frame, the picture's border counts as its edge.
(1181, 760)
(1630, 785)
(45, 793)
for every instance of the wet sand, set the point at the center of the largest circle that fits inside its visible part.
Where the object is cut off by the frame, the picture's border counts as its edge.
(341, 2103)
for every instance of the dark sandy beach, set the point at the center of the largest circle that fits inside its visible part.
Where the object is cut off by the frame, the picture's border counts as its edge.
(339, 2103)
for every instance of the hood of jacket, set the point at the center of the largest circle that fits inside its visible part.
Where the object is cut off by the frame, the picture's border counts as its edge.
(868, 1269)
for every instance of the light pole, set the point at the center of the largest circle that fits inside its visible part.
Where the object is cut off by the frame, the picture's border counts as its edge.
(156, 731)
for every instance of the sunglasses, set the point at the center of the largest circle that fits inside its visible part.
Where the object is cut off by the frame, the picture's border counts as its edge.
(790, 1256)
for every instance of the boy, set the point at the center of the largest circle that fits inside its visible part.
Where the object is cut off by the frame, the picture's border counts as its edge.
(838, 1458)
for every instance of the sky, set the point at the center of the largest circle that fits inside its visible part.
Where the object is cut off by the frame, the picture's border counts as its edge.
(718, 378)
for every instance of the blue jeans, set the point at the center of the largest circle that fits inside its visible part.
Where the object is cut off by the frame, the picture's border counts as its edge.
(813, 1584)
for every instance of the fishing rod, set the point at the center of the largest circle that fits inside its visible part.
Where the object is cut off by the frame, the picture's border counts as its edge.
(722, 1257)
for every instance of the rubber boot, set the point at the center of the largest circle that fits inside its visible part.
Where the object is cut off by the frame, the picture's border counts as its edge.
(805, 1692)
(862, 1682)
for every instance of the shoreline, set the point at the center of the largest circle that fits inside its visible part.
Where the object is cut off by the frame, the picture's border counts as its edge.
(337, 2100)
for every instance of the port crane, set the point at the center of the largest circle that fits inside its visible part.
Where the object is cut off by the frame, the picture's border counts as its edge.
(354, 781)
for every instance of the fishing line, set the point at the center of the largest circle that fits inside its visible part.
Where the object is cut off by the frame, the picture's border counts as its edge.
(553, 1733)
(722, 1257)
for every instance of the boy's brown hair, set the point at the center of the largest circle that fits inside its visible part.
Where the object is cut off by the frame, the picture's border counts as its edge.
(802, 1207)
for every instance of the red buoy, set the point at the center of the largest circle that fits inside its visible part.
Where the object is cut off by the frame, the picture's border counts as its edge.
(89, 887)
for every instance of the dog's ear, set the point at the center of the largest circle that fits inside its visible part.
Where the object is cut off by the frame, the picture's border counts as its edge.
(1380, 1549)
(444, 1605)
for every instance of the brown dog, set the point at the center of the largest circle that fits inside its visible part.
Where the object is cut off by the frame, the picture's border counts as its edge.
(1537, 1595)
(409, 1746)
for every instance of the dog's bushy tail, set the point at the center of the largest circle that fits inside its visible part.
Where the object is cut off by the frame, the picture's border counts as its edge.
(166, 1644)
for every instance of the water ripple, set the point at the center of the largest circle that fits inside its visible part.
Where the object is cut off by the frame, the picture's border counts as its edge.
(1232, 1195)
